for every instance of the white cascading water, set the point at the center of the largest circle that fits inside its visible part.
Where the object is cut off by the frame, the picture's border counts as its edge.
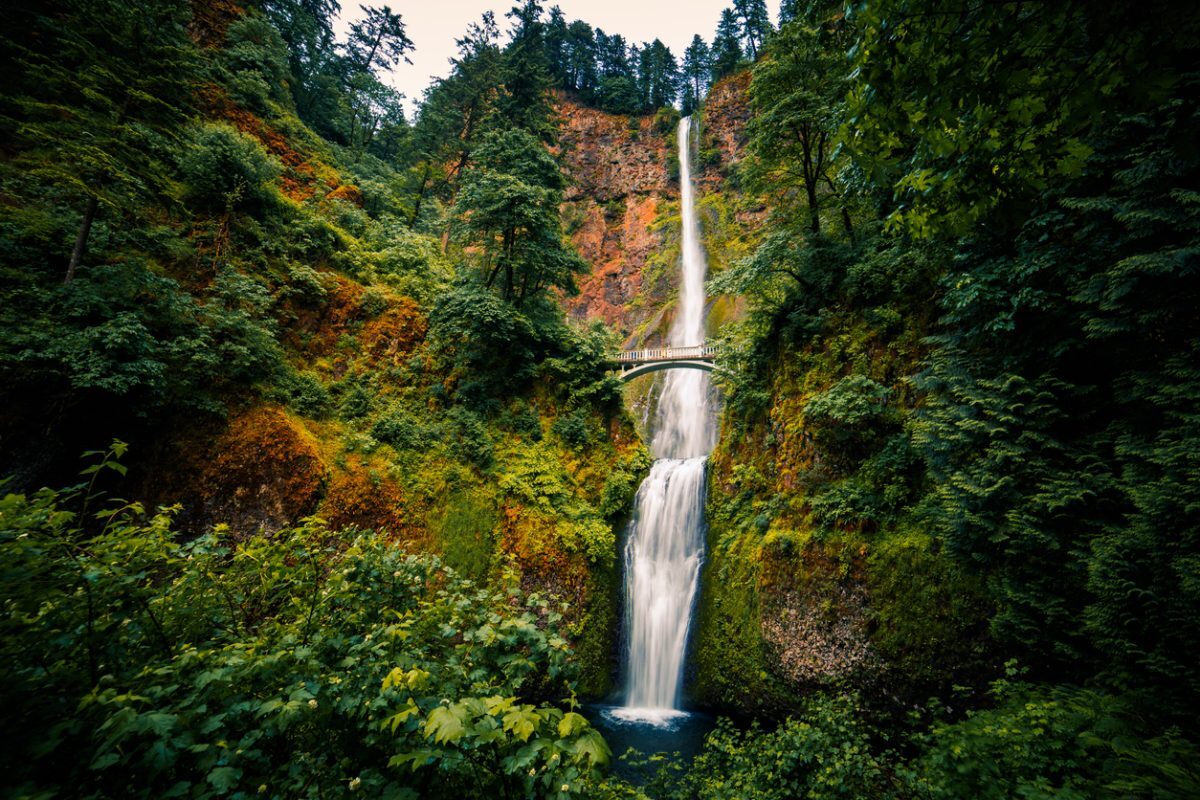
(665, 546)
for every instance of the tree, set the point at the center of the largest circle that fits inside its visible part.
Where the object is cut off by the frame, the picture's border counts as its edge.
(970, 133)
(795, 92)
(755, 24)
(726, 50)
(790, 10)
(697, 67)
(580, 58)
(306, 27)
(657, 76)
(555, 39)
(508, 208)
(455, 111)
(526, 73)
(378, 40)
(100, 102)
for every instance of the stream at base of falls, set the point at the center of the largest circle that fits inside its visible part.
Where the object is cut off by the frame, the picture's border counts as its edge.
(664, 547)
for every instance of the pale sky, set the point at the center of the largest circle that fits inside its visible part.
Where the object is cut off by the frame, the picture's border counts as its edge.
(433, 25)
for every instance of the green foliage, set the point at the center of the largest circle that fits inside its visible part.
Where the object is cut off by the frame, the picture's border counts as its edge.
(508, 207)
(309, 663)
(226, 169)
(463, 529)
(574, 428)
(975, 131)
(826, 753)
(489, 345)
(255, 60)
(622, 483)
(126, 332)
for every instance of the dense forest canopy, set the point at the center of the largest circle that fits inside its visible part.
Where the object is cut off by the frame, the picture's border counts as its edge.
(377, 478)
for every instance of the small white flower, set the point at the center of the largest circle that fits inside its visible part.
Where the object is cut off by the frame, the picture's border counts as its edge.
(355, 783)
(367, 637)
(566, 787)
(312, 703)
(532, 772)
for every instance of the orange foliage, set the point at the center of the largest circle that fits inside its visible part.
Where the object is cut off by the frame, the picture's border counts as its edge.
(530, 539)
(326, 323)
(261, 472)
(394, 333)
(347, 193)
(356, 501)
(211, 19)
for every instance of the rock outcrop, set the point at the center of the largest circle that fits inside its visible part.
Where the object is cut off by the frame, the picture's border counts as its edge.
(624, 182)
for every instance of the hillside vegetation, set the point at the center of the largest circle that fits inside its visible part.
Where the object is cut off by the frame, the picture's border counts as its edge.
(350, 374)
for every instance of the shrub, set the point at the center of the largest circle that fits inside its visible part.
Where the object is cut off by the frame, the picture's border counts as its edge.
(225, 169)
(304, 393)
(305, 664)
(573, 428)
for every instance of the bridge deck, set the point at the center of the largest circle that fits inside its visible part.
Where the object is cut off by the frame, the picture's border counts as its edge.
(633, 358)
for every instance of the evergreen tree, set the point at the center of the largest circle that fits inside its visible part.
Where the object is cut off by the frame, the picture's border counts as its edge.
(95, 106)
(526, 74)
(697, 67)
(377, 41)
(755, 24)
(726, 51)
(306, 27)
(555, 39)
(612, 55)
(657, 76)
(456, 111)
(790, 10)
(508, 209)
(581, 58)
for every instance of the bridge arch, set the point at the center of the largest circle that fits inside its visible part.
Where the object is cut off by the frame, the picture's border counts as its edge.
(654, 366)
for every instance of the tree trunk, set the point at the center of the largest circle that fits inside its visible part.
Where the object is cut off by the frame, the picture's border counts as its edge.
(848, 223)
(420, 196)
(85, 229)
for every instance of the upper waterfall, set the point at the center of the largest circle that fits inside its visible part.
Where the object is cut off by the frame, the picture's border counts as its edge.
(684, 426)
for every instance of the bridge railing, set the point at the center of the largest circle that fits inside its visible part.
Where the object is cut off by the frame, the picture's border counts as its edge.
(704, 351)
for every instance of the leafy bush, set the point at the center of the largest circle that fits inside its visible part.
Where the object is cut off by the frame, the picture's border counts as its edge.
(306, 664)
(826, 753)
(255, 60)
(226, 169)
(484, 340)
(304, 393)
(471, 443)
(573, 428)
(403, 431)
(622, 483)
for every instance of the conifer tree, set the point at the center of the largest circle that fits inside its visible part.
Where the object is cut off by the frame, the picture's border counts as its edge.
(527, 79)
(755, 24)
(100, 103)
(508, 209)
(697, 67)
(726, 51)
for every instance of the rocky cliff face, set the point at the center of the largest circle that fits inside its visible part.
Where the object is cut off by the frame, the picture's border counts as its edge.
(726, 112)
(621, 209)
(619, 180)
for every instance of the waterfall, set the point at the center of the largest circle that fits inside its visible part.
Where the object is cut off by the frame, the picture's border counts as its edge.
(665, 546)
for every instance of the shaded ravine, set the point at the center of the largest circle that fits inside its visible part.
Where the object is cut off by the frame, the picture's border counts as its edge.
(665, 545)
